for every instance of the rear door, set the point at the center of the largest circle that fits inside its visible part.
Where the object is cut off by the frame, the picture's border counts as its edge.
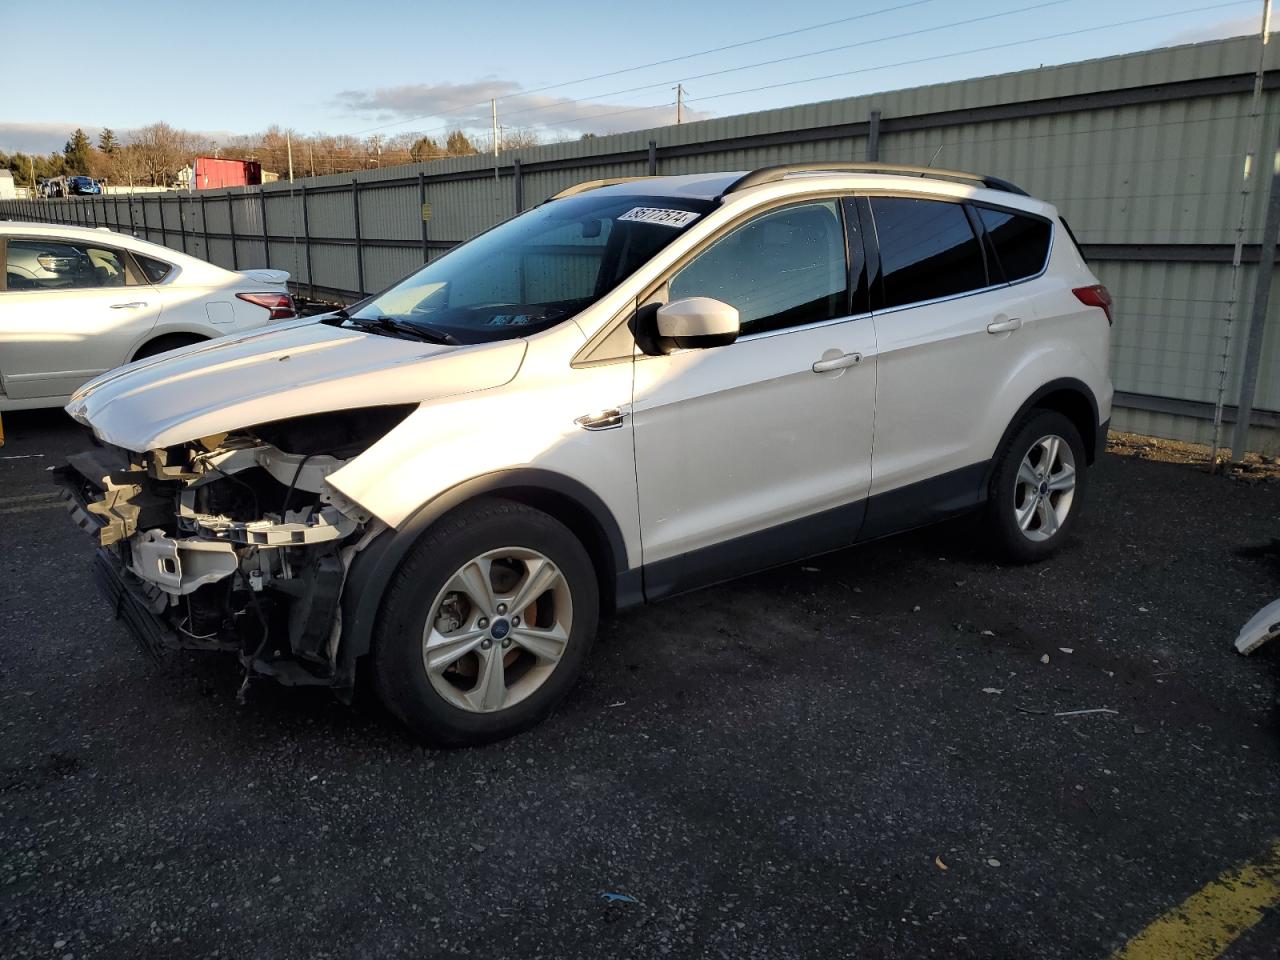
(949, 331)
(69, 310)
(759, 452)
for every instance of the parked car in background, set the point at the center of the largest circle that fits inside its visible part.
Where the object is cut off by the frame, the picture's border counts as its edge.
(83, 187)
(77, 301)
(632, 390)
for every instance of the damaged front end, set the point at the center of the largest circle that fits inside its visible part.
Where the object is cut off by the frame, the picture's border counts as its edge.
(234, 542)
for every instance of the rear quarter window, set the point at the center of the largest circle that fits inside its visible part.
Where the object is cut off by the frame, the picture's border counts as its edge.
(154, 270)
(1021, 242)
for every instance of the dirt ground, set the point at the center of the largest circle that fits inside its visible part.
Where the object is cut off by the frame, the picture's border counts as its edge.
(875, 753)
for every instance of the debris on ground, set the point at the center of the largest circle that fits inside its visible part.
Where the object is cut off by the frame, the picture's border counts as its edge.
(1080, 713)
(618, 898)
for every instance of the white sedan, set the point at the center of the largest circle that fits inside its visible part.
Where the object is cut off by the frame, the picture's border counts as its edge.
(78, 301)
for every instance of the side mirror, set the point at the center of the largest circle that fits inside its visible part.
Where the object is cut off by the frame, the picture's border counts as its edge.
(696, 323)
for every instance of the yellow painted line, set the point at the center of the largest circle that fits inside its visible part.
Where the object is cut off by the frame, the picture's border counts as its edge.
(1204, 925)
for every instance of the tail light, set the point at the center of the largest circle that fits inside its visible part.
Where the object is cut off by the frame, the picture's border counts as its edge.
(280, 304)
(1095, 296)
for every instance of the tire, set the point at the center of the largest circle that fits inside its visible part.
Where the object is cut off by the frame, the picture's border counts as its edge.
(1029, 512)
(431, 614)
(166, 343)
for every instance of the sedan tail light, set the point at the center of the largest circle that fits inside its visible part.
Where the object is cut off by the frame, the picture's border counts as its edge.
(280, 304)
(1096, 296)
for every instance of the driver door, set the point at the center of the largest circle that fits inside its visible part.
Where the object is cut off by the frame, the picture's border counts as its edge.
(759, 452)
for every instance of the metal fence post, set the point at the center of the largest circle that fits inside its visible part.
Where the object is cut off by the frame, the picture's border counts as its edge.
(355, 209)
(164, 231)
(873, 137)
(422, 212)
(204, 228)
(1258, 316)
(132, 226)
(653, 158)
(519, 185)
(182, 223)
(306, 243)
(231, 228)
(266, 239)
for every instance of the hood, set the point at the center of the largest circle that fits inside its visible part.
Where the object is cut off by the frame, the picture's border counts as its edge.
(283, 371)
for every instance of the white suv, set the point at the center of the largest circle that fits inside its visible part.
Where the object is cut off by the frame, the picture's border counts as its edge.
(637, 388)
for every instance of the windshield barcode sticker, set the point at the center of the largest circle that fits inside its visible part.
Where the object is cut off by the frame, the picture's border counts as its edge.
(659, 215)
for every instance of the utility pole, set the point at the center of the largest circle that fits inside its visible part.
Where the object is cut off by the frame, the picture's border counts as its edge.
(493, 104)
(679, 89)
(288, 145)
(1253, 148)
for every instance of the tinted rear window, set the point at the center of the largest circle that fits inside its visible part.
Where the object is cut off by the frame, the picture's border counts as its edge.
(1022, 243)
(927, 250)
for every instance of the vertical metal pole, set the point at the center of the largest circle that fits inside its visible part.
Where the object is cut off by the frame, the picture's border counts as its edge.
(182, 223)
(355, 210)
(1258, 316)
(873, 137)
(1252, 149)
(266, 238)
(133, 227)
(204, 228)
(422, 208)
(519, 185)
(164, 231)
(306, 243)
(653, 158)
(231, 227)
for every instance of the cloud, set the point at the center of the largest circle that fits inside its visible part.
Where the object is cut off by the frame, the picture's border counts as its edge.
(466, 105)
(39, 137)
(1235, 27)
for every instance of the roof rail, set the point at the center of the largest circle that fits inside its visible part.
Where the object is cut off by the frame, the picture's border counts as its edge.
(780, 171)
(592, 185)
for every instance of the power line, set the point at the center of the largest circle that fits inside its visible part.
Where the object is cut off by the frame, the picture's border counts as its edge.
(961, 53)
(659, 63)
(753, 66)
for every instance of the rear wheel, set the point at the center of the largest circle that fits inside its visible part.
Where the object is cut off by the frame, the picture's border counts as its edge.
(487, 624)
(1037, 488)
(166, 343)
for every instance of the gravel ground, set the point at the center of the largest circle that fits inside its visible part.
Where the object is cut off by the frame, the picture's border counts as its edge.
(858, 756)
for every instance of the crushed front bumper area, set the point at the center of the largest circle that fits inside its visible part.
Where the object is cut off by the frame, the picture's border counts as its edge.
(210, 550)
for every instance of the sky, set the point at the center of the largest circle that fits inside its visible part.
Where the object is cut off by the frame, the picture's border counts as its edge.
(561, 68)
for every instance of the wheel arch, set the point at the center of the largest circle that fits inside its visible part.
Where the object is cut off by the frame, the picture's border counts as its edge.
(155, 334)
(564, 498)
(1074, 400)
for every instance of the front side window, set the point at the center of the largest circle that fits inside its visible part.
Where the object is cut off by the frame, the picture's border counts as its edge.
(1021, 242)
(62, 265)
(785, 268)
(927, 250)
(536, 270)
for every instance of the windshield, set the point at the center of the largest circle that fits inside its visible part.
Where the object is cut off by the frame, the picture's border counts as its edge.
(535, 270)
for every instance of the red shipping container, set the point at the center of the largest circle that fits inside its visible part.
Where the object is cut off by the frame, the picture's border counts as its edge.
(214, 173)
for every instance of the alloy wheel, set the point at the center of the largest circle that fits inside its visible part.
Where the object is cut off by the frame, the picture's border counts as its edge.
(1044, 488)
(497, 629)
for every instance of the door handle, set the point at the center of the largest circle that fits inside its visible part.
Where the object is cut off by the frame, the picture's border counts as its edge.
(837, 363)
(1004, 325)
(604, 420)
(133, 305)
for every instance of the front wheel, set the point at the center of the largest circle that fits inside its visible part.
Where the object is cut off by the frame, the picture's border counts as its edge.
(486, 625)
(1037, 488)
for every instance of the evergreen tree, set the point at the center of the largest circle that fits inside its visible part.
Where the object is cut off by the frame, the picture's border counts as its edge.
(76, 152)
(458, 144)
(107, 141)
